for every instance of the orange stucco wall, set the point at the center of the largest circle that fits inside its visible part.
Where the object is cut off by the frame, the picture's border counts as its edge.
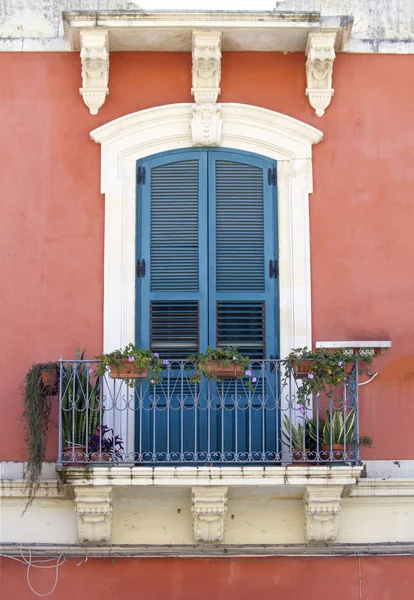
(369, 578)
(362, 211)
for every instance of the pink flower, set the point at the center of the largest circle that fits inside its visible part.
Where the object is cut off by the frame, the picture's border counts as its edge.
(131, 359)
(340, 364)
(152, 381)
(254, 379)
(249, 373)
(310, 376)
(91, 371)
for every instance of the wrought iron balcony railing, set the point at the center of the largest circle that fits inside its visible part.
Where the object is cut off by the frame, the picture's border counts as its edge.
(179, 421)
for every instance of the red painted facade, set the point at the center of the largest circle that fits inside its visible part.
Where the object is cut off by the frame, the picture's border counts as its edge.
(342, 578)
(361, 211)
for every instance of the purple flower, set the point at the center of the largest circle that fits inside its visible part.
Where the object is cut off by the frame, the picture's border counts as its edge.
(156, 355)
(165, 362)
(254, 379)
(301, 409)
(90, 371)
(152, 381)
(340, 364)
(318, 394)
(249, 373)
(310, 376)
(131, 359)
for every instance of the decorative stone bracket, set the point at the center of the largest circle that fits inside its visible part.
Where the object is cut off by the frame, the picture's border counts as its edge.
(322, 508)
(206, 122)
(209, 513)
(95, 68)
(94, 512)
(320, 52)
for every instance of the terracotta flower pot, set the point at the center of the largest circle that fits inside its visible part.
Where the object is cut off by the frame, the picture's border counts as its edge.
(77, 453)
(94, 457)
(302, 457)
(302, 368)
(337, 452)
(127, 370)
(217, 369)
(49, 380)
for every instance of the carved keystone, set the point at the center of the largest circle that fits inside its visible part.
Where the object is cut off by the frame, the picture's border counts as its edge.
(322, 509)
(94, 512)
(320, 51)
(206, 125)
(95, 68)
(209, 513)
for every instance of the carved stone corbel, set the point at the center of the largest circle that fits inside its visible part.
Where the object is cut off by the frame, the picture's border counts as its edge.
(94, 512)
(206, 122)
(206, 66)
(95, 68)
(322, 508)
(320, 51)
(209, 513)
(206, 125)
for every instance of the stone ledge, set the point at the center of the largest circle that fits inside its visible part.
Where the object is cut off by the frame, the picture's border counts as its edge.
(210, 476)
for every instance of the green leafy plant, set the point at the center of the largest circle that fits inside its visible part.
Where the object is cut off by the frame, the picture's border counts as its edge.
(334, 428)
(81, 408)
(36, 417)
(300, 436)
(324, 370)
(224, 357)
(141, 358)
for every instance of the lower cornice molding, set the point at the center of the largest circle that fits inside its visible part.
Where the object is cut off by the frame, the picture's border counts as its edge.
(214, 550)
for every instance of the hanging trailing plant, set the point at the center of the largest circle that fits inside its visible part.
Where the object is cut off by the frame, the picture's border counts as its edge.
(37, 404)
(323, 370)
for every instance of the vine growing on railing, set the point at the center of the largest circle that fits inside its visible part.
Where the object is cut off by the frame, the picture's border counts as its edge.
(323, 370)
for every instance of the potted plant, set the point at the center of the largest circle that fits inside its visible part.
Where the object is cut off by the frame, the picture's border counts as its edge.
(334, 431)
(131, 363)
(220, 363)
(81, 411)
(106, 448)
(49, 374)
(321, 371)
(37, 405)
(299, 438)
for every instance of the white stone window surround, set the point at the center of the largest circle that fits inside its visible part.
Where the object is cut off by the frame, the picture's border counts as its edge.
(250, 128)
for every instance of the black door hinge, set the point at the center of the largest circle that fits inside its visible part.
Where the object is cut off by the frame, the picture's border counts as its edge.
(141, 176)
(141, 268)
(272, 176)
(273, 269)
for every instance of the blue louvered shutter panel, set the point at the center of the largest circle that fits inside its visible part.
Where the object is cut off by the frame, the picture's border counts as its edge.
(242, 240)
(172, 209)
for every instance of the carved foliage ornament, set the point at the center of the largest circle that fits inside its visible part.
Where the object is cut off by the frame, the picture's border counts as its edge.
(320, 54)
(95, 68)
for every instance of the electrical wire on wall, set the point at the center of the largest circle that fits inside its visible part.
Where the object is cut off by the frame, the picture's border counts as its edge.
(39, 564)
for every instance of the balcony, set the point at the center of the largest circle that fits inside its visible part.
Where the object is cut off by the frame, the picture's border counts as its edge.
(260, 420)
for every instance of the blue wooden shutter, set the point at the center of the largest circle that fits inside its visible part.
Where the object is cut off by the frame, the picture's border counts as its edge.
(242, 240)
(172, 210)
